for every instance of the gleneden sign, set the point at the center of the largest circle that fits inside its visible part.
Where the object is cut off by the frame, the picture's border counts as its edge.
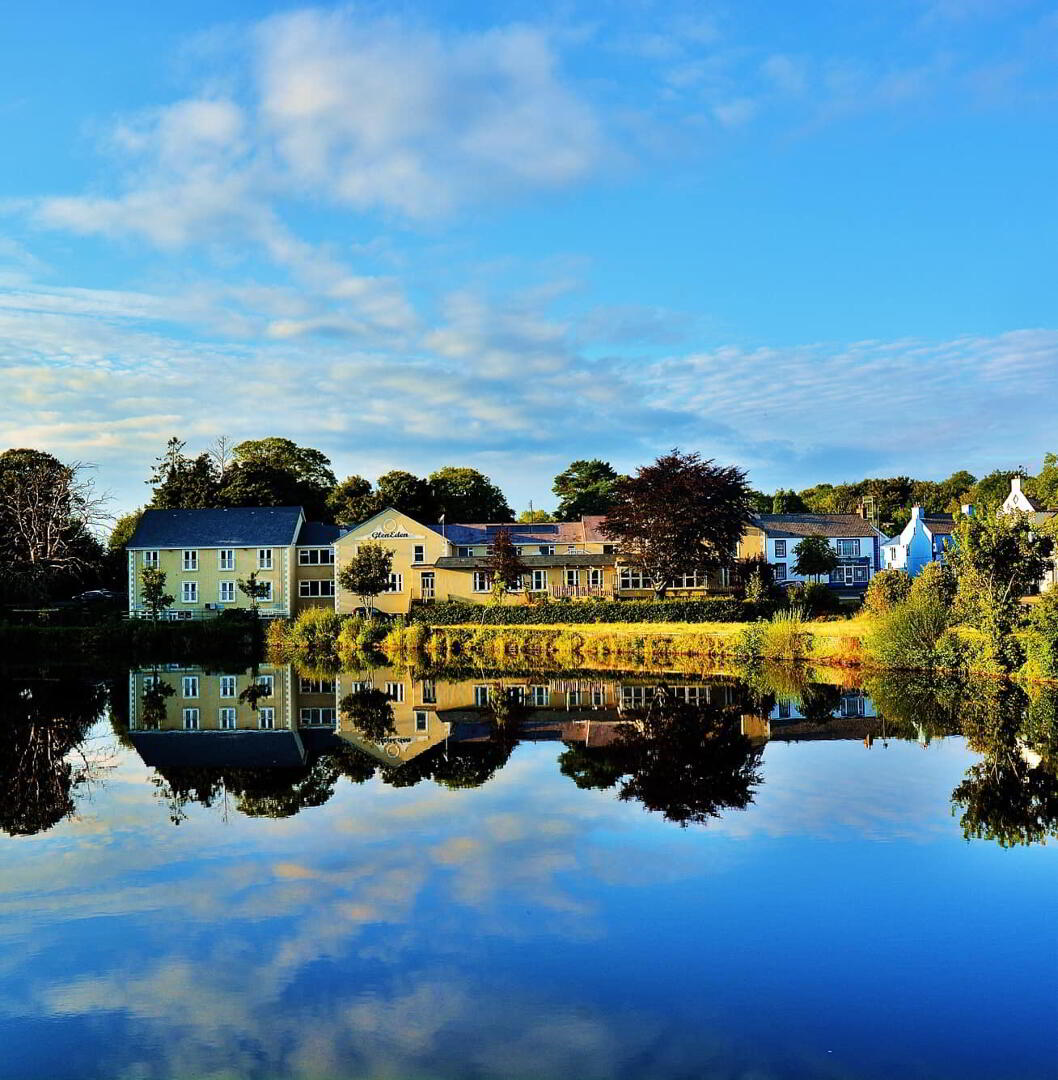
(391, 531)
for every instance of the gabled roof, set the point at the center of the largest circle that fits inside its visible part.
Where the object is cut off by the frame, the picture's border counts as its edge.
(939, 524)
(547, 532)
(246, 526)
(319, 534)
(832, 525)
(219, 749)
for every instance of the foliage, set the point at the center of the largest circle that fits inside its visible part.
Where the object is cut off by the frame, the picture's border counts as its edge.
(585, 487)
(535, 517)
(710, 609)
(370, 712)
(787, 502)
(815, 557)
(887, 589)
(464, 494)
(680, 514)
(935, 584)
(814, 598)
(179, 482)
(353, 501)
(407, 493)
(311, 638)
(155, 599)
(906, 636)
(754, 579)
(504, 564)
(123, 530)
(1041, 638)
(307, 466)
(253, 589)
(367, 572)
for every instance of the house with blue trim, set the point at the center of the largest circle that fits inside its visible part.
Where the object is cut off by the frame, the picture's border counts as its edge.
(925, 539)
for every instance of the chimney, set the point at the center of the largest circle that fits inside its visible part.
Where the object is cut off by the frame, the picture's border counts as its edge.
(967, 509)
(916, 513)
(1015, 484)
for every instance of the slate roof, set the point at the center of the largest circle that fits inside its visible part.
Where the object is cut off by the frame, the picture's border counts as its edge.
(530, 562)
(834, 525)
(548, 532)
(939, 524)
(219, 749)
(318, 534)
(249, 526)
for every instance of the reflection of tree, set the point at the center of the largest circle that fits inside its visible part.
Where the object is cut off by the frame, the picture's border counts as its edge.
(155, 692)
(916, 705)
(1011, 796)
(688, 762)
(41, 723)
(371, 713)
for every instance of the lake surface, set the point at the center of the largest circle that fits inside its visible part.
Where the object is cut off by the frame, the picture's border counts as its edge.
(545, 875)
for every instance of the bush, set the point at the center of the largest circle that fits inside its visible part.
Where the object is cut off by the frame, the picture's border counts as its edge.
(888, 588)
(934, 585)
(1041, 638)
(709, 609)
(907, 637)
(814, 598)
(786, 636)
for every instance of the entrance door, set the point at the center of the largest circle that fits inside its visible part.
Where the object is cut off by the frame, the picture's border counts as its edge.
(426, 580)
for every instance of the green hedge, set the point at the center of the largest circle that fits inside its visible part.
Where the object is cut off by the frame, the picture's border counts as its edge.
(712, 609)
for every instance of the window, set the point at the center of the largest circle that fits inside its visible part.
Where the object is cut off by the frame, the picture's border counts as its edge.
(418, 553)
(396, 583)
(264, 558)
(780, 549)
(190, 560)
(464, 552)
(227, 685)
(849, 549)
(226, 719)
(359, 687)
(724, 577)
(150, 558)
(539, 581)
(315, 557)
(595, 577)
(226, 592)
(150, 682)
(481, 696)
(859, 575)
(427, 581)
(316, 588)
(598, 697)
(190, 719)
(318, 717)
(572, 578)
(686, 581)
(429, 692)
(189, 686)
(633, 697)
(395, 691)
(574, 698)
(547, 549)
(784, 710)
(539, 696)
(226, 559)
(267, 684)
(633, 579)
(422, 719)
(780, 571)
(189, 592)
(266, 718)
(482, 581)
(266, 593)
(609, 549)
(317, 686)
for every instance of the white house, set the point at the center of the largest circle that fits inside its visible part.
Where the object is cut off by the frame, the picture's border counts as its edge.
(925, 539)
(855, 540)
(1018, 501)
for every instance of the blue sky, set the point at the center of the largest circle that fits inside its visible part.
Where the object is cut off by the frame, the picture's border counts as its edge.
(509, 235)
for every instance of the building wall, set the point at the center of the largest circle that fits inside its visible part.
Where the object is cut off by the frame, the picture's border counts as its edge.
(209, 575)
(313, 572)
(780, 550)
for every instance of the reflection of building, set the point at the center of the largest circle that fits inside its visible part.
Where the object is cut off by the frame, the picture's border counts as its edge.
(822, 713)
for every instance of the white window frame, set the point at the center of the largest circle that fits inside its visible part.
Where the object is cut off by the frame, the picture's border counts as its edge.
(318, 716)
(779, 571)
(571, 577)
(481, 696)
(688, 581)
(595, 577)
(429, 692)
(316, 556)
(396, 584)
(395, 691)
(266, 718)
(310, 685)
(463, 552)
(422, 720)
(780, 549)
(630, 575)
(268, 681)
(150, 559)
(191, 718)
(267, 597)
(482, 581)
(316, 587)
(724, 576)
(189, 686)
(848, 549)
(264, 559)
(228, 686)
(226, 592)
(539, 581)
(226, 558)
(418, 554)
(540, 696)
(547, 549)
(227, 718)
(188, 592)
(190, 559)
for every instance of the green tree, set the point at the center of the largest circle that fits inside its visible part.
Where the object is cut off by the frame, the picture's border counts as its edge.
(153, 595)
(815, 557)
(308, 466)
(535, 517)
(464, 494)
(353, 501)
(179, 482)
(407, 493)
(787, 502)
(585, 487)
(680, 514)
(505, 565)
(887, 590)
(277, 472)
(1045, 485)
(990, 491)
(370, 712)
(254, 590)
(367, 573)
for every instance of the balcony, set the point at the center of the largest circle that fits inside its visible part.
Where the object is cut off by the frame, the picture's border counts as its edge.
(582, 592)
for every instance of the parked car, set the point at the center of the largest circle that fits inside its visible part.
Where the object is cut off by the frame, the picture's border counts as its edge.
(97, 596)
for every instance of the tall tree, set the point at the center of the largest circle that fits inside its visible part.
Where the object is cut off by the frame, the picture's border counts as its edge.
(787, 502)
(353, 501)
(183, 483)
(306, 465)
(277, 472)
(505, 565)
(464, 494)
(534, 517)
(585, 487)
(367, 573)
(408, 493)
(679, 515)
(815, 557)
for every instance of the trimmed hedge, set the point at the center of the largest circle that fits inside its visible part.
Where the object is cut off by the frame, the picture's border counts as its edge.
(711, 609)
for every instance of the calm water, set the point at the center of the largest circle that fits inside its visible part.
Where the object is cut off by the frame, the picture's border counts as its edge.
(550, 877)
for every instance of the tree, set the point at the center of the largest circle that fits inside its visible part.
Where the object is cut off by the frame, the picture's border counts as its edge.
(505, 565)
(155, 599)
(815, 557)
(49, 511)
(408, 493)
(370, 712)
(182, 483)
(586, 487)
(253, 589)
(1045, 486)
(353, 501)
(367, 573)
(887, 590)
(464, 494)
(787, 502)
(679, 515)
(534, 517)
(990, 491)
(307, 466)
(277, 472)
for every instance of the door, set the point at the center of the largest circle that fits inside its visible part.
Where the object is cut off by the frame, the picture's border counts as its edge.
(426, 580)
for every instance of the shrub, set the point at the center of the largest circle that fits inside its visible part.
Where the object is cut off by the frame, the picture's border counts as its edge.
(708, 609)
(907, 637)
(934, 585)
(313, 634)
(814, 598)
(786, 636)
(887, 589)
(1041, 638)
